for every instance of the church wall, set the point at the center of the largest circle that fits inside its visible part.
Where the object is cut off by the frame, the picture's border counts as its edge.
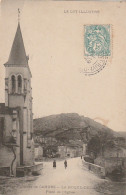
(27, 142)
(18, 149)
(6, 157)
(16, 100)
(25, 117)
(18, 93)
(17, 70)
(8, 127)
(28, 154)
(6, 97)
(1, 128)
(28, 132)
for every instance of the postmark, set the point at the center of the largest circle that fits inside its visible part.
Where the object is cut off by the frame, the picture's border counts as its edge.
(97, 48)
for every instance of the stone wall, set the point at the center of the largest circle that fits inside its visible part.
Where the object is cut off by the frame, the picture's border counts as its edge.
(38, 152)
(1, 129)
(6, 157)
(111, 163)
(28, 152)
(29, 170)
(100, 171)
(5, 171)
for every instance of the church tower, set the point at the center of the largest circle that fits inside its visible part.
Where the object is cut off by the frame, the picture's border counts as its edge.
(18, 95)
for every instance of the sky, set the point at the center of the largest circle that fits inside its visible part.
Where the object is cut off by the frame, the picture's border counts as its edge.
(54, 42)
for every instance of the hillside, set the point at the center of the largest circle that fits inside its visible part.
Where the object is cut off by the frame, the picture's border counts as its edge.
(70, 126)
(122, 134)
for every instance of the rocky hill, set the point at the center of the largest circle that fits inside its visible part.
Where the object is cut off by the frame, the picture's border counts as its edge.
(70, 126)
(122, 134)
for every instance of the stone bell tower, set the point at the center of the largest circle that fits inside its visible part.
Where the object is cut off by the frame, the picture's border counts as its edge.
(18, 94)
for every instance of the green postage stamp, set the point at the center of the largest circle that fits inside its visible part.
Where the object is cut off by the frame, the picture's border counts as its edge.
(97, 47)
(97, 40)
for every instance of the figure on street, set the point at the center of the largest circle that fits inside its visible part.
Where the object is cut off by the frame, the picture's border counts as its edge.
(54, 164)
(65, 164)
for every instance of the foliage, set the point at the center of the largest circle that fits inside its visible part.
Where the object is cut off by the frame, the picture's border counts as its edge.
(94, 146)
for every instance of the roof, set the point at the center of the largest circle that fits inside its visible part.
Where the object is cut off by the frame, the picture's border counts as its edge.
(18, 54)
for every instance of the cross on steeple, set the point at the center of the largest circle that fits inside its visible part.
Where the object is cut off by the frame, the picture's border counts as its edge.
(18, 15)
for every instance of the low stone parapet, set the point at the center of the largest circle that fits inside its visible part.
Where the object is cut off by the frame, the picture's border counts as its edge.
(36, 169)
(5, 171)
(29, 170)
(100, 171)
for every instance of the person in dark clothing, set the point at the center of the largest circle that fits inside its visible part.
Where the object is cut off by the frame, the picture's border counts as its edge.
(54, 164)
(65, 164)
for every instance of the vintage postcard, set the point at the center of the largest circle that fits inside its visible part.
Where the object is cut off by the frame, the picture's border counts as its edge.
(62, 97)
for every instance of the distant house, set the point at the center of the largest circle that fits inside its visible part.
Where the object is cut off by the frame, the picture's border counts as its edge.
(62, 150)
(69, 151)
(115, 152)
(79, 151)
(45, 140)
(38, 152)
(84, 149)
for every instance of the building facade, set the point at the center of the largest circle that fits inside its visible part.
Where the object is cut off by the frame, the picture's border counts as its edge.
(38, 152)
(16, 117)
(69, 152)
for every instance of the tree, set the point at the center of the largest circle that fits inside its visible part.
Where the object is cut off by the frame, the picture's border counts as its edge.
(94, 146)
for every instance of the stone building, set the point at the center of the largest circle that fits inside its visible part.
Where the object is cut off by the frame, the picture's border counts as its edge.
(62, 150)
(38, 152)
(16, 118)
(84, 149)
(69, 151)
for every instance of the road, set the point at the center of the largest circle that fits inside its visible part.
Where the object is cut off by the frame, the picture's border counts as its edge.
(75, 180)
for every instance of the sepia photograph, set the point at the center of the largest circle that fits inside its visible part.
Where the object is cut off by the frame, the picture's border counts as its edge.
(62, 97)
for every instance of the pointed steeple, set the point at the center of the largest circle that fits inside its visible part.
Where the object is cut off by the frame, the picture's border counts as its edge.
(18, 55)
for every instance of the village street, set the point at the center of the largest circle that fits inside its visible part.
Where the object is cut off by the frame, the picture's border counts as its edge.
(75, 180)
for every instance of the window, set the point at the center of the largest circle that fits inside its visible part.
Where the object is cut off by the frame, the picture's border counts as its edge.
(13, 83)
(19, 84)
